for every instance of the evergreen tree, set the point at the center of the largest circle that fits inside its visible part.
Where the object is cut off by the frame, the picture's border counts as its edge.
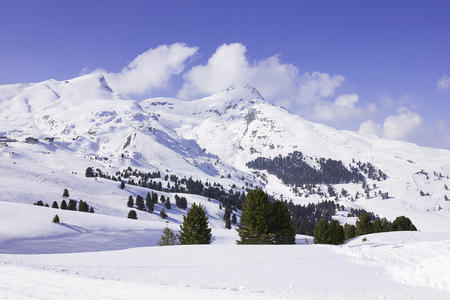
(403, 223)
(281, 227)
(130, 202)
(336, 232)
(150, 207)
(163, 214)
(63, 204)
(72, 205)
(148, 199)
(349, 231)
(154, 198)
(168, 238)
(39, 203)
(65, 193)
(386, 225)
(91, 210)
(56, 219)
(227, 217)
(195, 228)
(322, 233)
(46, 205)
(363, 225)
(83, 206)
(132, 214)
(55, 204)
(122, 185)
(376, 226)
(140, 202)
(167, 203)
(90, 172)
(255, 219)
(162, 199)
(233, 219)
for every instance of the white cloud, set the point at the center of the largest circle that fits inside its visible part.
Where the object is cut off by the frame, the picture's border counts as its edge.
(370, 127)
(151, 69)
(229, 65)
(443, 83)
(281, 83)
(402, 125)
(343, 108)
(316, 86)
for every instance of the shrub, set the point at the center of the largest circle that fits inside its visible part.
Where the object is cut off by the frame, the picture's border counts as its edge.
(132, 214)
(56, 219)
(168, 238)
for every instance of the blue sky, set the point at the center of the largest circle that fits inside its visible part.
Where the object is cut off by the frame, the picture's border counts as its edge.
(390, 54)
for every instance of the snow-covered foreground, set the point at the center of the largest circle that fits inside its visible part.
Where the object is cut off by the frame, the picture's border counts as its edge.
(398, 265)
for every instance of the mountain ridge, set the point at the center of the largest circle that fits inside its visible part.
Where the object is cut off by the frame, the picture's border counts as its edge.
(214, 138)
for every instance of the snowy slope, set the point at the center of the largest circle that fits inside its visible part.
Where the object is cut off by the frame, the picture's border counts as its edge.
(107, 256)
(239, 126)
(207, 139)
(400, 267)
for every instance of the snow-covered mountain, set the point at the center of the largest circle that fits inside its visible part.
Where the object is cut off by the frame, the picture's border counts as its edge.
(213, 139)
(53, 131)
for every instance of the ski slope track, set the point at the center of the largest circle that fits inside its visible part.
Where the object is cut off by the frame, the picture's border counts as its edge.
(82, 122)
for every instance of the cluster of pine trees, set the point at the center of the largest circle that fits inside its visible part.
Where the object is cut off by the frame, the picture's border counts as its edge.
(265, 222)
(293, 170)
(306, 217)
(174, 185)
(71, 205)
(150, 201)
(333, 233)
(194, 230)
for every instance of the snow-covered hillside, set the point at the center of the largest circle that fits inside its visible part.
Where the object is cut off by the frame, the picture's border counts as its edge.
(399, 265)
(82, 122)
(52, 132)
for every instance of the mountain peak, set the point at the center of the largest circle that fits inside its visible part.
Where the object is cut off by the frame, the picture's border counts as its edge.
(246, 91)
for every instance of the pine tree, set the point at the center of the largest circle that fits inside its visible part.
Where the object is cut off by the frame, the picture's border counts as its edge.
(162, 199)
(376, 226)
(90, 172)
(386, 225)
(322, 233)
(83, 206)
(150, 207)
(39, 203)
(148, 199)
(195, 228)
(168, 205)
(227, 217)
(336, 232)
(56, 219)
(163, 214)
(140, 202)
(403, 223)
(63, 204)
(363, 225)
(255, 219)
(91, 210)
(154, 198)
(349, 231)
(168, 238)
(233, 219)
(281, 227)
(122, 185)
(55, 204)
(72, 205)
(132, 214)
(65, 193)
(130, 202)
